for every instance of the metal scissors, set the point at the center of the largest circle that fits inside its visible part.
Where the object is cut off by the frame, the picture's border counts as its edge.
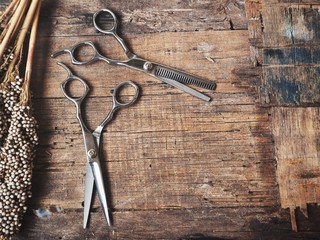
(92, 140)
(166, 74)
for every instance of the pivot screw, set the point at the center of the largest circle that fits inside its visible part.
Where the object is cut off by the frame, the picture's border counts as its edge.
(148, 66)
(92, 153)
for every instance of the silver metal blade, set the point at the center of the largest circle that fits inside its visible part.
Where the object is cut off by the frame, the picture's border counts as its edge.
(171, 76)
(185, 89)
(89, 183)
(182, 77)
(97, 174)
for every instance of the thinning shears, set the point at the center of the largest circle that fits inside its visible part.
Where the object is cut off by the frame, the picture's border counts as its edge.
(166, 74)
(92, 140)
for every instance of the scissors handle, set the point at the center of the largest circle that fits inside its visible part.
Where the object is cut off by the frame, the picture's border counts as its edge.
(92, 56)
(117, 103)
(65, 89)
(105, 14)
(116, 93)
(76, 100)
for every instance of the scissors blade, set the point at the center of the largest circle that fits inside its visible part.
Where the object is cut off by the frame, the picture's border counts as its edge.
(182, 77)
(89, 183)
(171, 76)
(185, 88)
(98, 179)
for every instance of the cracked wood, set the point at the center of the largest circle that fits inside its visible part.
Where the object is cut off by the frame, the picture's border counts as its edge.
(179, 168)
(290, 68)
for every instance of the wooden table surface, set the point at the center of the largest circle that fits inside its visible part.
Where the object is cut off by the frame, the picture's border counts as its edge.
(175, 167)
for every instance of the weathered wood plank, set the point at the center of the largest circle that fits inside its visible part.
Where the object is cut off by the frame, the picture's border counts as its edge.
(168, 145)
(176, 151)
(203, 223)
(293, 3)
(306, 56)
(290, 69)
(290, 77)
(74, 18)
(287, 26)
(288, 54)
(212, 56)
(290, 85)
(296, 134)
(179, 168)
(255, 29)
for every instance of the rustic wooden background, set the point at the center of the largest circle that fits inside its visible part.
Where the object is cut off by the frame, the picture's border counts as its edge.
(176, 167)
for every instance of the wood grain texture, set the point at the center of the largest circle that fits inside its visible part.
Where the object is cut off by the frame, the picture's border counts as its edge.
(290, 57)
(290, 70)
(297, 152)
(284, 40)
(137, 17)
(292, 3)
(255, 29)
(205, 223)
(285, 26)
(212, 57)
(176, 152)
(175, 167)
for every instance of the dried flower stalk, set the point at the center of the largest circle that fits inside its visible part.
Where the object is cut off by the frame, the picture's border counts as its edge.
(25, 96)
(13, 25)
(8, 10)
(18, 137)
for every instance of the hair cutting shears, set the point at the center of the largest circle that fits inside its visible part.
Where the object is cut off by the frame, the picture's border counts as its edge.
(92, 140)
(166, 74)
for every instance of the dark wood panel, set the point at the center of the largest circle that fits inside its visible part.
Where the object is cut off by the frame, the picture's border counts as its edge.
(284, 38)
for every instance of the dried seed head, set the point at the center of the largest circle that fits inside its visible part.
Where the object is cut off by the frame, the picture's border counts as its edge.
(18, 140)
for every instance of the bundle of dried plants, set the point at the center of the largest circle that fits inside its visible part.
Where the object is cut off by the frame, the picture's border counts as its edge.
(18, 137)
